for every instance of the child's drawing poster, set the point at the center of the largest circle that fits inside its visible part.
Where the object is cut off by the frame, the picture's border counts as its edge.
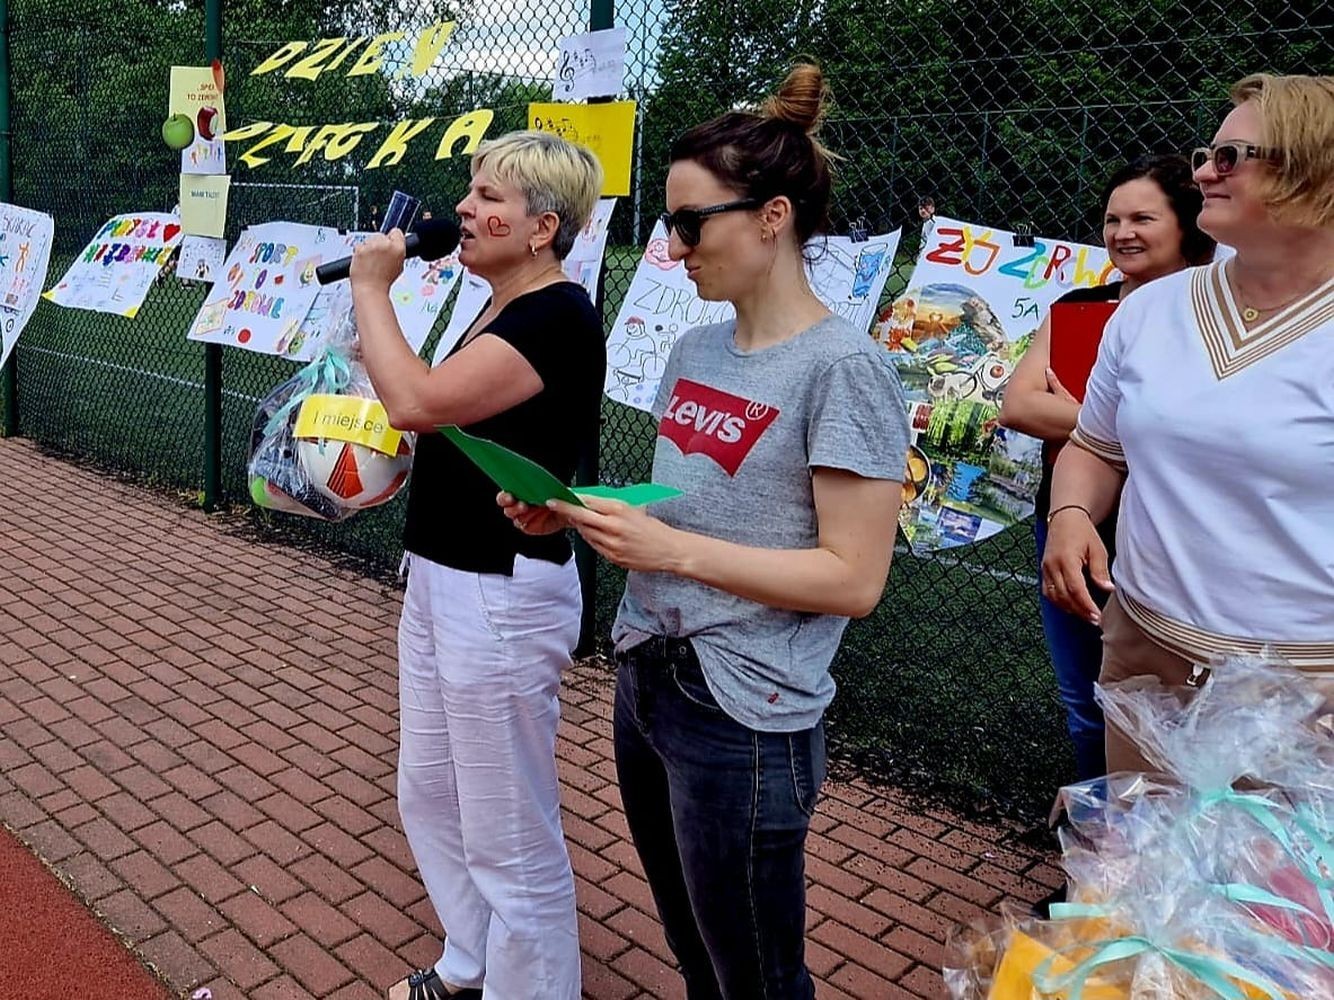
(417, 295)
(266, 287)
(584, 262)
(25, 252)
(661, 304)
(114, 272)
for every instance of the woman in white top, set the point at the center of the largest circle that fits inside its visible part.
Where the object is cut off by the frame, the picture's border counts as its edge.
(1213, 402)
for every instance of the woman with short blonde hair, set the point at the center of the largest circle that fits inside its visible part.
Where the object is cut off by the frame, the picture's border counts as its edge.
(1213, 401)
(491, 617)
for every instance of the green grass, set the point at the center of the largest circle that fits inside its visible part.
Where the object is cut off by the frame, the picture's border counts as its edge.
(945, 686)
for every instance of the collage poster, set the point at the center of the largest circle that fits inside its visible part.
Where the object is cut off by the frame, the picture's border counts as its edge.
(955, 335)
(418, 295)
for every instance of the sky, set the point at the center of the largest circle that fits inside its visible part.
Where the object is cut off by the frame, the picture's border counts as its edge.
(520, 37)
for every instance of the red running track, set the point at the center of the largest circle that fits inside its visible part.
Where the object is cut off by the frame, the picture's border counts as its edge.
(52, 947)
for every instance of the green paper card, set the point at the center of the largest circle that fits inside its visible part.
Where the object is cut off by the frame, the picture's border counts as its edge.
(525, 480)
(638, 495)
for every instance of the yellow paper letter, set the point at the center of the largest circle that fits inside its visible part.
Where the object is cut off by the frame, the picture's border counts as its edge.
(472, 126)
(279, 58)
(429, 44)
(351, 47)
(347, 139)
(392, 149)
(279, 133)
(246, 131)
(370, 60)
(310, 67)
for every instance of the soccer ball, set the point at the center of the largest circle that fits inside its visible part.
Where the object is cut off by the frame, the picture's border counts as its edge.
(353, 475)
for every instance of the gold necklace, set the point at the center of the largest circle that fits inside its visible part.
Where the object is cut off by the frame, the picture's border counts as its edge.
(1250, 314)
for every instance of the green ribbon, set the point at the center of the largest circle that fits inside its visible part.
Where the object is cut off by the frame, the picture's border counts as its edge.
(1240, 892)
(1262, 811)
(1324, 852)
(1214, 972)
(330, 368)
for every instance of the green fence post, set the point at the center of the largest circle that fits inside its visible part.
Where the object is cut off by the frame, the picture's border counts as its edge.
(212, 352)
(601, 14)
(9, 383)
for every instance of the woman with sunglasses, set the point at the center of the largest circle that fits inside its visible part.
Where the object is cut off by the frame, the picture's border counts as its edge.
(1212, 401)
(787, 432)
(1149, 227)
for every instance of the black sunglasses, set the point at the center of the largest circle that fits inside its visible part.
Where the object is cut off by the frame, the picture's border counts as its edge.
(689, 221)
(1227, 156)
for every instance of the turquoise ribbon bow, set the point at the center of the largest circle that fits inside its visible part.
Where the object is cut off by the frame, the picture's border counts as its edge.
(330, 367)
(1215, 972)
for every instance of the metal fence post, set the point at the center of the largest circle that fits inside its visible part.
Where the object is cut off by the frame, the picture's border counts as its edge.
(601, 15)
(212, 352)
(9, 383)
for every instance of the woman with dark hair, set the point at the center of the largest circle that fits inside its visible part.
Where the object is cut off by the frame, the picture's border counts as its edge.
(1149, 211)
(787, 433)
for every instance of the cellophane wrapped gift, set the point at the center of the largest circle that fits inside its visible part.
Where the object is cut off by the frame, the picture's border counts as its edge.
(1212, 877)
(321, 445)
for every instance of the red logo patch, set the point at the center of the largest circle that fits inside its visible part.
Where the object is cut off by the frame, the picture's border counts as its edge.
(703, 420)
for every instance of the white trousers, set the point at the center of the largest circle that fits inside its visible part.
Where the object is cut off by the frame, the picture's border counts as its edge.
(480, 659)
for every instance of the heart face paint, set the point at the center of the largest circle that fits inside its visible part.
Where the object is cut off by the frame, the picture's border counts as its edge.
(496, 226)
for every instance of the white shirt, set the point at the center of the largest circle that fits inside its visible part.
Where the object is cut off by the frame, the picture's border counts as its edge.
(1226, 535)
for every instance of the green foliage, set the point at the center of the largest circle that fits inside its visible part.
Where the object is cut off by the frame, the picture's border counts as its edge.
(1007, 114)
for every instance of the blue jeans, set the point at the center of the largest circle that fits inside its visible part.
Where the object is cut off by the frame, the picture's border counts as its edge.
(719, 814)
(1075, 647)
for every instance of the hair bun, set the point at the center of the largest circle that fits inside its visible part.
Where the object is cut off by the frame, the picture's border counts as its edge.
(801, 99)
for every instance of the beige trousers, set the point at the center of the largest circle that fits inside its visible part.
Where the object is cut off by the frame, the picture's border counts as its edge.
(1127, 651)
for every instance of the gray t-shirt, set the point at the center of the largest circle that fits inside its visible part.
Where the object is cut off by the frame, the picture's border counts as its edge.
(740, 432)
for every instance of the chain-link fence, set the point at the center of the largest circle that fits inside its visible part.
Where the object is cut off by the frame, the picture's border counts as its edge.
(1010, 116)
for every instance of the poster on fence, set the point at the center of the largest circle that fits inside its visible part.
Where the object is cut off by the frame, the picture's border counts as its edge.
(661, 304)
(114, 272)
(201, 258)
(266, 287)
(583, 264)
(590, 65)
(25, 252)
(955, 334)
(417, 295)
(196, 94)
(607, 129)
(474, 292)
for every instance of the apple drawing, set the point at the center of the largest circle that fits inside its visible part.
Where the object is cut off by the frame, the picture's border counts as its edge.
(178, 131)
(207, 123)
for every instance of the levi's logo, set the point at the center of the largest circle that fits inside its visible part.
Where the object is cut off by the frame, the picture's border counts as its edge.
(714, 423)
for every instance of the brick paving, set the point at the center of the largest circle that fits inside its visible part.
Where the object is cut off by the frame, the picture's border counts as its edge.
(199, 731)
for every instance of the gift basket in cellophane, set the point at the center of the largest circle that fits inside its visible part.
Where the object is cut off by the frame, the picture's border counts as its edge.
(1212, 877)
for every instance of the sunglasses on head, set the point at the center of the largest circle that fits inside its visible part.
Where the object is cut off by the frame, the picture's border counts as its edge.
(687, 222)
(1227, 156)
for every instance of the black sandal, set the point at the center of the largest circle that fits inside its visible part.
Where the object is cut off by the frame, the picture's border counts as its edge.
(424, 984)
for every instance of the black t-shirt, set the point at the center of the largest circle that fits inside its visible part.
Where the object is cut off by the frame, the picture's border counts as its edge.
(1042, 502)
(452, 514)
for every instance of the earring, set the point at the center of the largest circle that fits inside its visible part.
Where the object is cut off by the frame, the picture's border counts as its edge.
(532, 249)
(766, 235)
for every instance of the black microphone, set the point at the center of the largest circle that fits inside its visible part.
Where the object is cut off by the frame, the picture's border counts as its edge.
(431, 240)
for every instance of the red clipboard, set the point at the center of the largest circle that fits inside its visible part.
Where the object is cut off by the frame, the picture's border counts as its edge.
(1076, 332)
